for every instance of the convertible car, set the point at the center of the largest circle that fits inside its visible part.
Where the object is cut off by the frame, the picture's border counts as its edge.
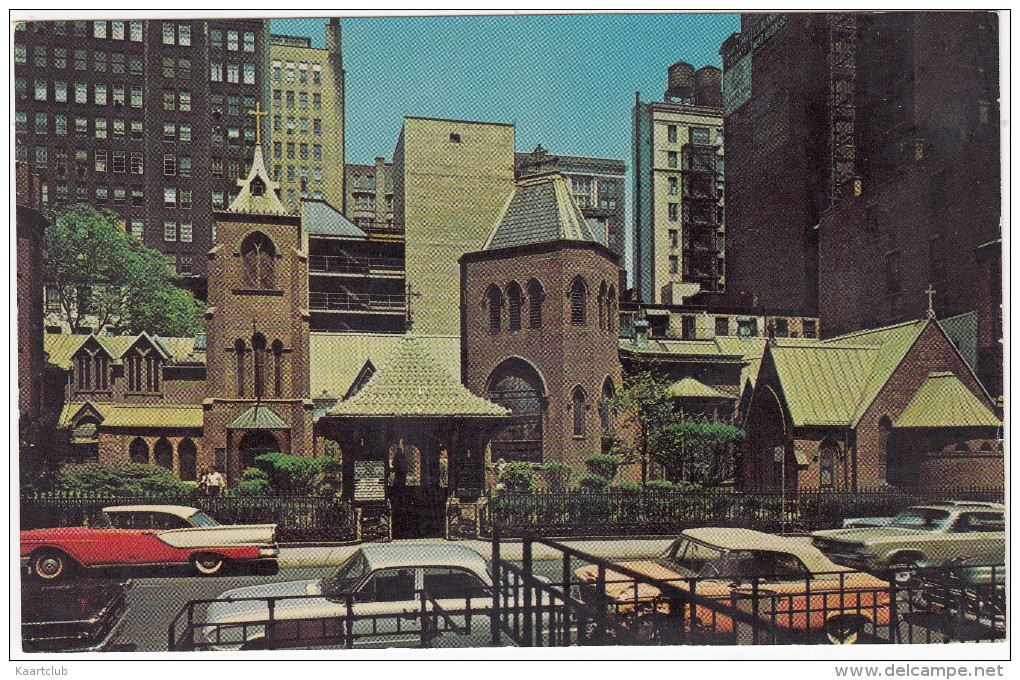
(148, 535)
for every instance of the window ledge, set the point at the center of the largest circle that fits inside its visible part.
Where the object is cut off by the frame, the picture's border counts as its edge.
(258, 291)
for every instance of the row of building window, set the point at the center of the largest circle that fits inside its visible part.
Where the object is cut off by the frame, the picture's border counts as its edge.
(102, 62)
(302, 150)
(233, 72)
(697, 135)
(285, 72)
(177, 231)
(174, 198)
(303, 172)
(142, 369)
(101, 127)
(115, 30)
(296, 124)
(102, 94)
(514, 300)
(232, 44)
(101, 197)
(261, 354)
(302, 100)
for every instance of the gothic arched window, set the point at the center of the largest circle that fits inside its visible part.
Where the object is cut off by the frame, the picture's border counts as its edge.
(828, 459)
(611, 313)
(494, 300)
(277, 368)
(535, 297)
(258, 351)
(139, 451)
(257, 254)
(602, 305)
(578, 302)
(514, 296)
(516, 385)
(578, 406)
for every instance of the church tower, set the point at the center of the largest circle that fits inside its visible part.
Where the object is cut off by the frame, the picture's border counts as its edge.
(257, 330)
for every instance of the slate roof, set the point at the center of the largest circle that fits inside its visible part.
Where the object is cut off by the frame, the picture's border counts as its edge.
(258, 417)
(693, 389)
(118, 415)
(61, 348)
(268, 202)
(336, 359)
(319, 218)
(413, 383)
(943, 401)
(541, 209)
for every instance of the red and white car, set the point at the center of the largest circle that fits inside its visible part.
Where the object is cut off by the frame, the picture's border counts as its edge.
(148, 535)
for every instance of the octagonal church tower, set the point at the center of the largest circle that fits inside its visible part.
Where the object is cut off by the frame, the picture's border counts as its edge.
(257, 330)
(539, 322)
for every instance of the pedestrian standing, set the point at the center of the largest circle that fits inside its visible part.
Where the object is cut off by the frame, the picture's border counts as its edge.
(215, 482)
(203, 481)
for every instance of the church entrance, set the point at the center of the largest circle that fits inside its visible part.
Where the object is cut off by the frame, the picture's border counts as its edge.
(255, 443)
(417, 496)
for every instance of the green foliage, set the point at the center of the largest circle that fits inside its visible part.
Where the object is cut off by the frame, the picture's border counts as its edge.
(289, 474)
(517, 476)
(629, 487)
(133, 479)
(660, 486)
(104, 277)
(593, 483)
(640, 409)
(701, 454)
(603, 465)
(253, 482)
(557, 476)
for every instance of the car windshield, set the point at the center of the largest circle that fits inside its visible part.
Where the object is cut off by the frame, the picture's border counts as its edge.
(925, 519)
(200, 519)
(705, 561)
(346, 576)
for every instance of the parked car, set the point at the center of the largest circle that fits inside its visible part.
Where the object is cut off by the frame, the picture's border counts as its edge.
(860, 522)
(970, 593)
(797, 586)
(148, 535)
(79, 617)
(384, 584)
(935, 532)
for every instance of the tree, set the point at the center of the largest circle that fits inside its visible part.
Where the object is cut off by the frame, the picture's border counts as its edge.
(698, 453)
(106, 279)
(638, 412)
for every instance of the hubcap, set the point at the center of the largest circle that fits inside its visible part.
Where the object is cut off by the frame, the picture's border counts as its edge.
(49, 566)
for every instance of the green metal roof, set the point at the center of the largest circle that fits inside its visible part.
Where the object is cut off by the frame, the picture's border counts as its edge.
(693, 389)
(962, 330)
(413, 383)
(943, 401)
(258, 417)
(822, 384)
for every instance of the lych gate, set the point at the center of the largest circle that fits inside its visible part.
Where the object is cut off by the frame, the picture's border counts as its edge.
(409, 417)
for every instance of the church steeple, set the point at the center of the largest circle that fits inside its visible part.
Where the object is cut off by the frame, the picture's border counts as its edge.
(258, 195)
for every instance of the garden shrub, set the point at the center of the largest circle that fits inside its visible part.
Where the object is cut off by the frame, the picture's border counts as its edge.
(593, 483)
(132, 479)
(557, 476)
(603, 465)
(517, 476)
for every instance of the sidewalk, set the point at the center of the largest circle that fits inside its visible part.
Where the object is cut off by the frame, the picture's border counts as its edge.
(621, 548)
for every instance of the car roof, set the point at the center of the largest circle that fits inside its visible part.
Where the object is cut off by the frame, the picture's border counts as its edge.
(179, 510)
(423, 555)
(747, 539)
(942, 505)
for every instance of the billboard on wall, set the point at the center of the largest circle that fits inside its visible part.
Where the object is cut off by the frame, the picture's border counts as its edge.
(737, 52)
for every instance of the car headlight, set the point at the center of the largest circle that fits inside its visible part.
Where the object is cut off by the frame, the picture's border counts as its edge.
(269, 552)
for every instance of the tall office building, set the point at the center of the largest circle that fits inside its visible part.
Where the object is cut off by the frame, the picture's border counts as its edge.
(679, 245)
(451, 179)
(307, 117)
(369, 197)
(863, 170)
(146, 118)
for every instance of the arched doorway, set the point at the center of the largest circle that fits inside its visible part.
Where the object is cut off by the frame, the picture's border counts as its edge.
(187, 456)
(139, 451)
(516, 385)
(163, 454)
(255, 443)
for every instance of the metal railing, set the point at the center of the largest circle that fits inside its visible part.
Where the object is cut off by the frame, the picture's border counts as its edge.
(370, 302)
(354, 265)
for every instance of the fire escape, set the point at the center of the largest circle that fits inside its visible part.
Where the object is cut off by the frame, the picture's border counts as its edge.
(702, 215)
(842, 77)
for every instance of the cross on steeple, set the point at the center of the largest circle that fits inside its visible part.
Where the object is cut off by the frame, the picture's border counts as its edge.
(407, 314)
(931, 294)
(258, 113)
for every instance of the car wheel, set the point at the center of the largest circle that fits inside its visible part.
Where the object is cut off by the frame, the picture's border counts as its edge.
(902, 568)
(208, 564)
(51, 565)
(843, 630)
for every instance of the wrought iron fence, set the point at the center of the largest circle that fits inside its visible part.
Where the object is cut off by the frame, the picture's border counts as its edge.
(617, 512)
(299, 518)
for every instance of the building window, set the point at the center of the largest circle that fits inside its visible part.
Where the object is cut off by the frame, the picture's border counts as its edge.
(136, 31)
(184, 101)
(671, 134)
(136, 96)
(290, 72)
(317, 173)
(258, 351)
(317, 126)
(169, 231)
(233, 73)
(671, 159)
(674, 212)
(118, 95)
(185, 134)
(674, 186)
(249, 74)
(809, 328)
(137, 196)
(494, 302)
(100, 161)
(304, 152)
(170, 197)
(184, 34)
(41, 91)
(185, 265)
(136, 129)
(117, 30)
(747, 327)
(216, 71)
(578, 406)
(217, 199)
(185, 200)
(98, 29)
(277, 368)
(827, 456)
(184, 166)
(303, 100)
(60, 58)
(40, 124)
(239, 352)
(20, 53)
(168, 33)
(257, 253)
(185, 231)
(119, 161)
(101, 195)
(722, 325)
(291, 124)
(514, 296)
(578, 302)
(316, 101)
(700, 135)
(304, 125)
(119, 196)
(60, 124)
(20, 122)
(169, 132)
(674, 264)
(216, 39)
(674, 238)
(144, 370)
(81, 93)
(169, 100)
(138, 229)
(317, 74)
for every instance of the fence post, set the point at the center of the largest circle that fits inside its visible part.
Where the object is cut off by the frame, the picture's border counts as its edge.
(526, 584)
(497, 587)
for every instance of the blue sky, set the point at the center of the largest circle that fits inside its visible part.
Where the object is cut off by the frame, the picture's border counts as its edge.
(565, 81)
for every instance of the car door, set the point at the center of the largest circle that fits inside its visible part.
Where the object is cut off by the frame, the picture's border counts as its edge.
(464, 601)
(386, 608)
(974, 533)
